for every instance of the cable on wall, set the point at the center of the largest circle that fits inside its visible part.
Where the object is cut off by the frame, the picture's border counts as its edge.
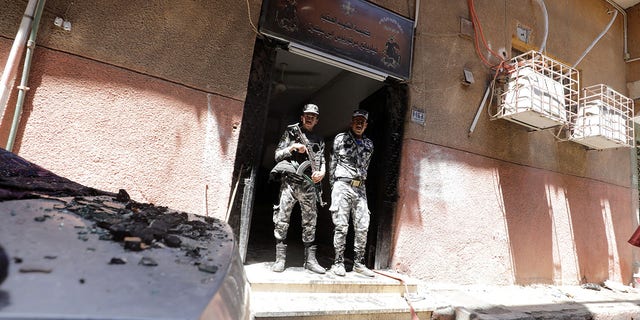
(545, 15)
(615, 14)
(479, 36)
(253, 26)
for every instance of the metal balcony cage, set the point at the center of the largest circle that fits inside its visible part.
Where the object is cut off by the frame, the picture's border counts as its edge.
(537, 92)
(604, 119)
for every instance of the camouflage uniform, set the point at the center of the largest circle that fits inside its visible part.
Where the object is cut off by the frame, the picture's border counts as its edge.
(296, 188)
(348, 172)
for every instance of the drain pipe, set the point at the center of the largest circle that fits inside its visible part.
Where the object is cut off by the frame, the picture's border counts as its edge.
(11, 67)
(624, 30)
(31, 46)
(415, 16)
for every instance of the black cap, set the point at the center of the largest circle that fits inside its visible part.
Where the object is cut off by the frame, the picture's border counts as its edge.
(311, 108)
(361, 113)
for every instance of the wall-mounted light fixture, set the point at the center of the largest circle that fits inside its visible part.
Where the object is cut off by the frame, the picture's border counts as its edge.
(336, 61)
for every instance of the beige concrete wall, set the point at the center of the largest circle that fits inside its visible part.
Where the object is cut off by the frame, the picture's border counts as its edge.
(450, 107)
(148, 97)
(633, 67)
(508, 205)
(142, 96)
(206, 45)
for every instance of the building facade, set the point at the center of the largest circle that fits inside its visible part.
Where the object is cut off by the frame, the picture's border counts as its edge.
(177, 103)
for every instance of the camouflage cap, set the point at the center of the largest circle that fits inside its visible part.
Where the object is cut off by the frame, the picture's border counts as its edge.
(361, 113)
(311, 108)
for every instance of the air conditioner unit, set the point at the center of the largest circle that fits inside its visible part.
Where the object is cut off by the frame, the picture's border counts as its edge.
(538, 93)
(604, 119)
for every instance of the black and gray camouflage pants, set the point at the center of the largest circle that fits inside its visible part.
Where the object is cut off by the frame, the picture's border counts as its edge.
(292, 191)
(348, 200)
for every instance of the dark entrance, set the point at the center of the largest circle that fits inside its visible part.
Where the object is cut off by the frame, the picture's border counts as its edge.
(280, 83)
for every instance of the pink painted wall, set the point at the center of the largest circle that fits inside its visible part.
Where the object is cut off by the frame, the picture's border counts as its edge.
(470, 219)
(147, 97)
(110, 128)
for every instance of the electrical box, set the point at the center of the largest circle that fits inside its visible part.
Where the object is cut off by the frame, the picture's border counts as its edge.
(537, 92)
(604, 119)
(523, 33)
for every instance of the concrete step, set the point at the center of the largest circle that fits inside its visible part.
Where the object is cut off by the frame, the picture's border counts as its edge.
(332, 306)
(297, 293)
(297, 279)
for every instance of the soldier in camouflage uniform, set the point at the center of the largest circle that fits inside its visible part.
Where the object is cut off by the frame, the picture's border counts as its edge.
(290, 155)
(348, 173)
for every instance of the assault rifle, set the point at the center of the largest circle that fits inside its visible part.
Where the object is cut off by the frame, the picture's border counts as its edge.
(309, 163)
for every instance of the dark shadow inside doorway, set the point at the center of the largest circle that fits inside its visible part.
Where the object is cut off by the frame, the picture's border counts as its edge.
(338, 93)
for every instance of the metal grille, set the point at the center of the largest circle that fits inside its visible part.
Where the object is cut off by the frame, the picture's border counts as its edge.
(603, 119)
(538, 92)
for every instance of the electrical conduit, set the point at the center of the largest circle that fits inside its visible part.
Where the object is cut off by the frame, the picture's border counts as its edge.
(31, 46)
(546, 25)
(11, 66)
(615, 14)
(624, 30)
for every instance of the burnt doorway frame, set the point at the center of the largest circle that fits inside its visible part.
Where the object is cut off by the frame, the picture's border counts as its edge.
(250, 142)
(387, 110)
(386, 130)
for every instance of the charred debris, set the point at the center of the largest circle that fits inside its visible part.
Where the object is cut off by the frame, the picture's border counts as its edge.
(143, 226)
(113, 217)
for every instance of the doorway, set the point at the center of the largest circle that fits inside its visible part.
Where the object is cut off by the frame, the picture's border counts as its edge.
(290, 81)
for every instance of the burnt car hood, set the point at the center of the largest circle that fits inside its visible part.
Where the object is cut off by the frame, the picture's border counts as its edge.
(80, 253)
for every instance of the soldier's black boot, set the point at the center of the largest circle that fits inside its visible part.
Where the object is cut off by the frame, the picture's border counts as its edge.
(359, 267)
(281, 257)
(310, 262)
(338, 265)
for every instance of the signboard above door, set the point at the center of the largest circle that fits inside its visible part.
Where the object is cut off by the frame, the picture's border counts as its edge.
(355, 32)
